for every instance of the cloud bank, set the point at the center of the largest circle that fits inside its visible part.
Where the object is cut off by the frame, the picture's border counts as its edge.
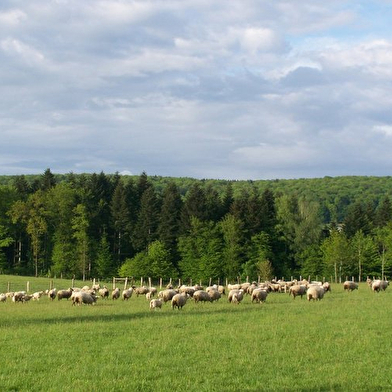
(207, 89)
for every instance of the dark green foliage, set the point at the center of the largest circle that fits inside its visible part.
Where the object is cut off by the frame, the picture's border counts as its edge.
(145, 231)
(170, 220)
(104, 268)
(200, 251)
(195, 205)
(218, 222)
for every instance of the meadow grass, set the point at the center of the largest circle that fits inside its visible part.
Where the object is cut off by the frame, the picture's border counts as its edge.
(341, 343)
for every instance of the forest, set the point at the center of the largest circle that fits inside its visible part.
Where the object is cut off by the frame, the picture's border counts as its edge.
(104, 225)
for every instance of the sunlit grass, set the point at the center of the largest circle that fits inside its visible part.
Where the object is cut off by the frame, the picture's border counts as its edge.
(340, 343)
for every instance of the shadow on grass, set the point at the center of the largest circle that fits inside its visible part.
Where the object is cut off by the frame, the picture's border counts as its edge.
(78, 317)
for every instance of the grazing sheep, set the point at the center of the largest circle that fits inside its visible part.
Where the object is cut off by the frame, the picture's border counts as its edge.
(37, 295)
(201, 296)
(152, 291)
(104, 292)
(18, 296)
(52, 293)
(96, 287)
(297, 289)
(156, 303)
(27, 297)
(379, 285)
(327, 286)
(179, 300)
(315, 292)
(116, 293)
(233, 286)
(64, 294)
(141, 290)
(350, 285)
(86, 288)
(127, 293)
(232, 292)
(235, 296)
(167, 295)
(3, 297)
(215, 295)
(259, 295)
(190, 290)
(83, 297)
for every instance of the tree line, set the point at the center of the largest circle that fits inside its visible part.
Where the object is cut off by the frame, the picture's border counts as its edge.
(101, 225)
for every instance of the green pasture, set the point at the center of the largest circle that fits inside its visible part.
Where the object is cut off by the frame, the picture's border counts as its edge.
(342, 343)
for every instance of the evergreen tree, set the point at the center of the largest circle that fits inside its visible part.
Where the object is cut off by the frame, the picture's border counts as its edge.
(213, 204)
(195, 206)
(259, 252)
(232, 248)
(120, 220)
(170, 219)
(383, 213)
(47, 180)
(268, 212)
(201, 251)
(62, 200)
(80, 226)
(356, 219)
(22, 187)
(147, 223)
(104, 265)
(228, 199)
(159, 260)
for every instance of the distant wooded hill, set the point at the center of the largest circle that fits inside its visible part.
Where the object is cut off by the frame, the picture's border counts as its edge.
(99, 225)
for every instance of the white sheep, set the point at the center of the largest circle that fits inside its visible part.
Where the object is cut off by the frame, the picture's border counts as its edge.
(379, 285)
(259, 295)
(83, 297)
(297, 289)
(239, 294)
(52, 293)
(201, 296)
(179, 300)
(141, 290)
(127, 293)
(315, 292)
(156, 303)
(18, 296)
(215, 295)
(116, 293)
(64, 294)
(152, 291)
(167, 295)
(104, 292)
(37, 295)
(350, 285)
(3, 297)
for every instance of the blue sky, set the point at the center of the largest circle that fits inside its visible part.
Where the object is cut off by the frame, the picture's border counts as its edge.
(238, 89)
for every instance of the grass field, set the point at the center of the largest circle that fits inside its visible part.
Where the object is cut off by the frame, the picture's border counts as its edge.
(341, 343)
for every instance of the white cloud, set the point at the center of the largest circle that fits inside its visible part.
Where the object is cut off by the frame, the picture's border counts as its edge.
(203, 88)
(12, 18)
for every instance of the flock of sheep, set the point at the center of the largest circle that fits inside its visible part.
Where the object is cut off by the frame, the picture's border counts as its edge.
(178, 297)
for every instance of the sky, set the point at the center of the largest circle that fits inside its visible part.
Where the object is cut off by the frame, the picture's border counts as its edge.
(222, 89)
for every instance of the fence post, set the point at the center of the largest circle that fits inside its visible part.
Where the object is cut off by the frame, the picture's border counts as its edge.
(28, 287)
(114, 282)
